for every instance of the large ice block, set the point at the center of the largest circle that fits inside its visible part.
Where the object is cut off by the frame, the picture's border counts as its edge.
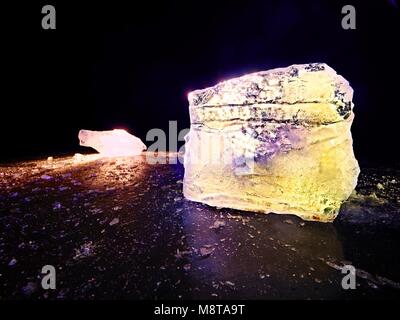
(112, 143)
(273, 141)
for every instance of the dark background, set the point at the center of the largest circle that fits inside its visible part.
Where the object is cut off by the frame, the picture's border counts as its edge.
(131, 64)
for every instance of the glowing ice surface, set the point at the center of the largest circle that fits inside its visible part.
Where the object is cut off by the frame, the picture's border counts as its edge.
(273, 141)
(113, 143)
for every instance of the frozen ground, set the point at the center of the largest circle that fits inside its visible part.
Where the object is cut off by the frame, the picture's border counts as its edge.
(120, 228)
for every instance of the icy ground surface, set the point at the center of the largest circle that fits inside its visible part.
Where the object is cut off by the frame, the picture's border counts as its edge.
(120, 228)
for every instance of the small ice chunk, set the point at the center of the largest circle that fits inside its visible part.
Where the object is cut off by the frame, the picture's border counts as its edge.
(114, 221)
(112, 143)
(12, 262)
(78, 157)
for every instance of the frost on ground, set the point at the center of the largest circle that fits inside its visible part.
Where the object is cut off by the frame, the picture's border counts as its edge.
(120, 228)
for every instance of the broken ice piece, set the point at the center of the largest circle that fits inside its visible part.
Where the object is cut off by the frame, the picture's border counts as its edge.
(206, 251)
(273, 141)
(78, 157)
(12, 262)
(114, 221)
(112, 143)
(218, 224)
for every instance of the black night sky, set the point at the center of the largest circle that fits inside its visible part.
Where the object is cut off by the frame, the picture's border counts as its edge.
(131, 64)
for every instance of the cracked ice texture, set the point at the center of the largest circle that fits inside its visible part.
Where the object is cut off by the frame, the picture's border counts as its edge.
(112, 143)
(273, 141)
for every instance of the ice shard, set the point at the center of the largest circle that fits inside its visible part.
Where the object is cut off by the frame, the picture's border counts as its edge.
(273, 141)
(112, 143)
